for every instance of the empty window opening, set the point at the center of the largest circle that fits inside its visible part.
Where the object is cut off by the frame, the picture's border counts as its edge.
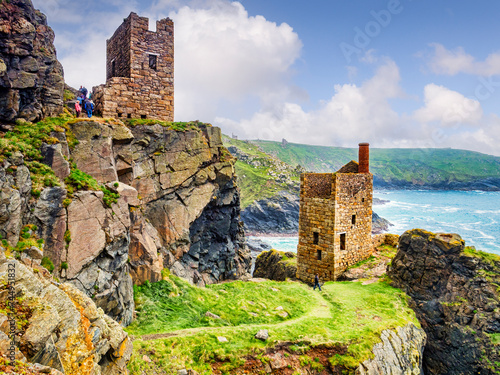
(362, 199)
(119, 114)
(153, 61)
(129, 115)
(113, 68)
(353, 220)
(342, 241)
(315, 238)
(319, 254)
(144, 117)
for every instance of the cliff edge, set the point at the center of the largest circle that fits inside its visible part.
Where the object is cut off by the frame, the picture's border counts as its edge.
(454, 292)
(111, 205)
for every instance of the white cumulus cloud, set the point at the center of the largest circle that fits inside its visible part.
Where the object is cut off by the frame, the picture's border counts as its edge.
(452, 62)
(448, 107)
(352, 114)
(224, 57)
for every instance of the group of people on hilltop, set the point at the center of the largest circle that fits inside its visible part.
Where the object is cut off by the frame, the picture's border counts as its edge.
(84, 102)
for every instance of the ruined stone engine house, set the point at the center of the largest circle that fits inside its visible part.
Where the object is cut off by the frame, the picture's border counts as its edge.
(335, 221)
(139, 71)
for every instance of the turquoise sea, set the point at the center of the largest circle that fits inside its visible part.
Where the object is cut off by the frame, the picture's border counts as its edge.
(474, 215)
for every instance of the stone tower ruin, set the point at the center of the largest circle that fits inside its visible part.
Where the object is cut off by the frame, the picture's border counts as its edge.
(139, 71)
(335, 221)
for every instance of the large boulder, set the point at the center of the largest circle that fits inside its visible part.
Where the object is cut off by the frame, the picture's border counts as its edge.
(276, 265)
(455, 296)
(31, 78)
(58, 326)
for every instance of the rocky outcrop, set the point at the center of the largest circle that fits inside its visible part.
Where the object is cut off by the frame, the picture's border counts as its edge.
(185, 190)
(455, 297)
(31, 78)
(57, 326)
(278, 214)
(276, 265)
(400, 352)
(379, 224)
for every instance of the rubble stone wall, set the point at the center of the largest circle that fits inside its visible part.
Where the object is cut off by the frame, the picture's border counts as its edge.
(353, 206)
(334, 229)
(140, 71)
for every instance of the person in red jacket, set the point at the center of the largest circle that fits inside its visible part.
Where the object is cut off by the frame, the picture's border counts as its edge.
(78, 109)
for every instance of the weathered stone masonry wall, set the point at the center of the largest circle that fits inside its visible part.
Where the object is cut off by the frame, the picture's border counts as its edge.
(118, 52)
(353, 197)
(317, 215)
(134, 88)
(332, 205)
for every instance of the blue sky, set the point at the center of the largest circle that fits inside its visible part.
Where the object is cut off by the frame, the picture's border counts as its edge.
(396, 73)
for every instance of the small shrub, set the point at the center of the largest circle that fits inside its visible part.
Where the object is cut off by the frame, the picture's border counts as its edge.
(66, 202)
(116, 184)
(64, 265)
(67, 236)
(47, 263)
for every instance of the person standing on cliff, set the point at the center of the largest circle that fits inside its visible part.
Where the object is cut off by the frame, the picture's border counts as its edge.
(316, 282)
(78, 109)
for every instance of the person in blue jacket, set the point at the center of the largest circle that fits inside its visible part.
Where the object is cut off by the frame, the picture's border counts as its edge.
(89, 107)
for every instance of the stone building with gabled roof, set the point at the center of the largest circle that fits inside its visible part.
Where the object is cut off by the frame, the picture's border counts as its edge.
(335, 220)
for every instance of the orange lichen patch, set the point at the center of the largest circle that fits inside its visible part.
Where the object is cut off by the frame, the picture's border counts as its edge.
(18, 367)
(78, 359)
(118, 353)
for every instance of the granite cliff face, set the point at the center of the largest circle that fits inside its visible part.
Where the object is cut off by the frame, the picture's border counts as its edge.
(400, 352)
(178, 208)
(455, 296)
(31, 78)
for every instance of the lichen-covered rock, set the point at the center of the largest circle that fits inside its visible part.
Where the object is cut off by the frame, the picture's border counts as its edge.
(64, 328)
(276, 265)
(31, 78)
(399, 353)
(455, 297)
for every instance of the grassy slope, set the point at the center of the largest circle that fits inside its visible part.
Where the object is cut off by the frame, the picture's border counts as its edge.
(342, 314)
(255, 181)
(410, 165)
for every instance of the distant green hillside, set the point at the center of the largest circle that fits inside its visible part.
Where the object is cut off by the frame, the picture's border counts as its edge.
(435, 168)
(260, 175)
